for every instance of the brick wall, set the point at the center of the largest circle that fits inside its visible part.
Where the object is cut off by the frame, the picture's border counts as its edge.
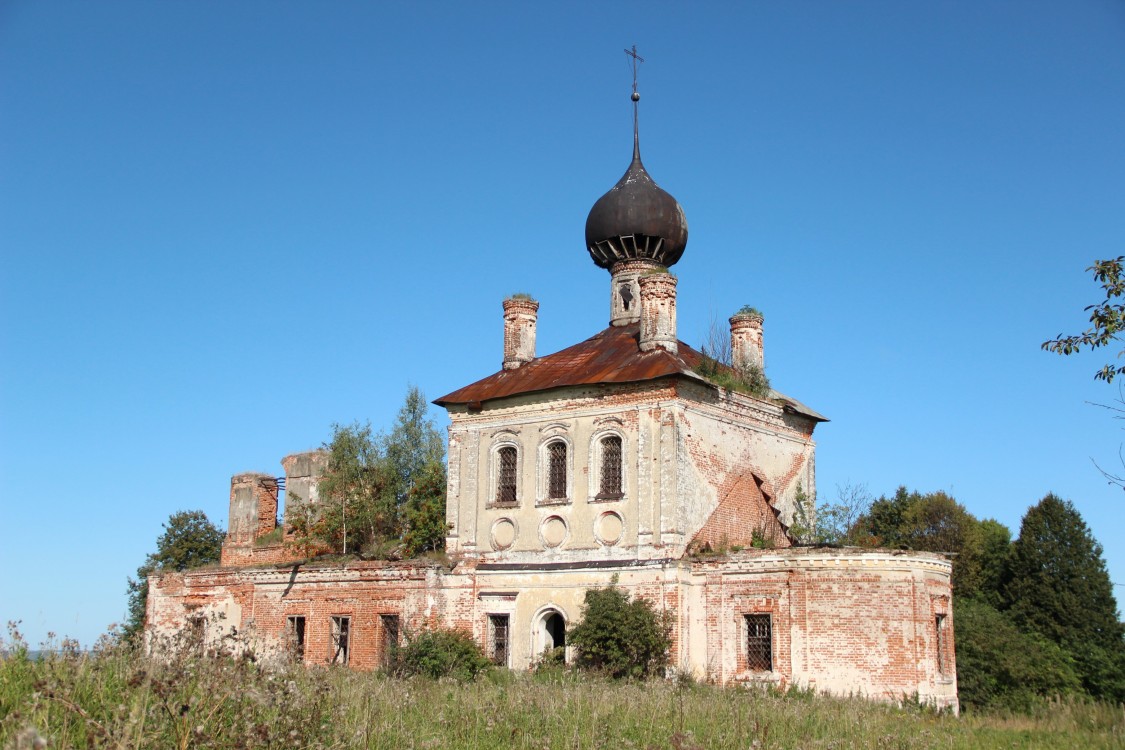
(843, 621)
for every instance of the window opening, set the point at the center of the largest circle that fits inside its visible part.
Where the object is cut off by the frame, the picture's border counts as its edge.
(611, 467)
(341, 627)
(295, 631)
(556, 470)
(390, 625)
(939, 626)
(626, 297)
(759, 643)
(498, 625)
(506, 476)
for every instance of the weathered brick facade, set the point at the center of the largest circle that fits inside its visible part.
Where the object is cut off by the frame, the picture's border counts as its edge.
(703, 474)
(611, 461)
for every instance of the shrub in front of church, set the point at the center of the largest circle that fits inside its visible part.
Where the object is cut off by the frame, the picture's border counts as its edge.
(439, 652)
(621, 637)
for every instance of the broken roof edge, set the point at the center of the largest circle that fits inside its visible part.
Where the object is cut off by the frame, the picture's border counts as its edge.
(609, 357)
(786, 403)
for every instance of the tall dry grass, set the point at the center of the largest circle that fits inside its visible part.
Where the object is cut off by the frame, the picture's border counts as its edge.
(114, 697)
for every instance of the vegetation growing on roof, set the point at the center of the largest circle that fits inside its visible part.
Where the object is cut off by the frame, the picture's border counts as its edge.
(716, 365)
(521, 295)
(749, 310)
(381, 495)
(753, 381)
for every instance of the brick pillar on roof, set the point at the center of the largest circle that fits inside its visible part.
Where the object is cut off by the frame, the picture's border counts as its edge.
(658, 312)
(520, 317)
(747, 347)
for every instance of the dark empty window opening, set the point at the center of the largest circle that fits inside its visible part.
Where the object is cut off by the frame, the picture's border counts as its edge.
(611, 467)
(506, 475)
(341, 630)
(391, 629)
(197, 629)
(498, 637)
(556, 470)
(939, 627)
(759, 643)
(626, 297)
(295, 635)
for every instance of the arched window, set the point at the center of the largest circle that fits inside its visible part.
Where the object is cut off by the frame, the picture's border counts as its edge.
(610, 486)
(556, 470)
(506, 460)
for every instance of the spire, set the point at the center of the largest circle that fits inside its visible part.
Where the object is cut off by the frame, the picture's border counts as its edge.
(636, 103)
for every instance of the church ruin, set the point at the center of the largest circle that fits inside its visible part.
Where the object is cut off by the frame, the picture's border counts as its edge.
(621, 459)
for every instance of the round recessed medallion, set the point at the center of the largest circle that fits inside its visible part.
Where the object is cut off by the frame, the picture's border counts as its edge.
(552, 531)
(503, 534)
(609, 527)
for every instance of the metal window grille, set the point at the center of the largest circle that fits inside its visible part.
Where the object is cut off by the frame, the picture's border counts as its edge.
(759, 643)
(556, 470)
(390, 625)
(611, 466)
(939, 626)
(498, 624)
(340, 631)
(295, 630)
(506, 476)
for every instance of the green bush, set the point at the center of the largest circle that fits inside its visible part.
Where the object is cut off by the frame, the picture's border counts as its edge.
(621, 637)
(440, 652)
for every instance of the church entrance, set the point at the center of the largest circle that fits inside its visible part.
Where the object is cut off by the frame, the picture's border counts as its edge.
(551, 633)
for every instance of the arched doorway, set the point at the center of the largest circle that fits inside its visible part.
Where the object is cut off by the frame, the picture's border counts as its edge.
(550, 633)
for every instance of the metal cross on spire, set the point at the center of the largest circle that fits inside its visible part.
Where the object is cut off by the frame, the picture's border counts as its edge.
(636, 98)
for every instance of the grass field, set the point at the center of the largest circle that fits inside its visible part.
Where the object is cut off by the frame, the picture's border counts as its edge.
(115, 698)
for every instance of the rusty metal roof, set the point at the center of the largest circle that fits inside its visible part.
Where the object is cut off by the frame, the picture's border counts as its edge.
(611, 356)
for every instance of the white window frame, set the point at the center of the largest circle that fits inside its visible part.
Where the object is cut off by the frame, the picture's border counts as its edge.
(595, 464)
(494, 473)
(543, 489)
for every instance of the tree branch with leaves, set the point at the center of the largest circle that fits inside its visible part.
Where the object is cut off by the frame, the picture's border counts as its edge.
(1107, 318)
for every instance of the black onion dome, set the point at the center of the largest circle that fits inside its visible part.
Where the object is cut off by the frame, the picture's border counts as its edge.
(636, 219)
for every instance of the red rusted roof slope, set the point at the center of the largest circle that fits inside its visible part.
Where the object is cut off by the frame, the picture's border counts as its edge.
(611, 356)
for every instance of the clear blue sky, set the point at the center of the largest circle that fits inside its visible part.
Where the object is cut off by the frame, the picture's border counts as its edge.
(226, 226)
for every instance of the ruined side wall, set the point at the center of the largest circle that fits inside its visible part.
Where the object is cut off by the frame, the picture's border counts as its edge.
(254, 510)
(254, 604)
(844, 621)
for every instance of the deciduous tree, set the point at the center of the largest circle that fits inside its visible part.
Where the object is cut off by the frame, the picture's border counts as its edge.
(189, 541)
(380, 494)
